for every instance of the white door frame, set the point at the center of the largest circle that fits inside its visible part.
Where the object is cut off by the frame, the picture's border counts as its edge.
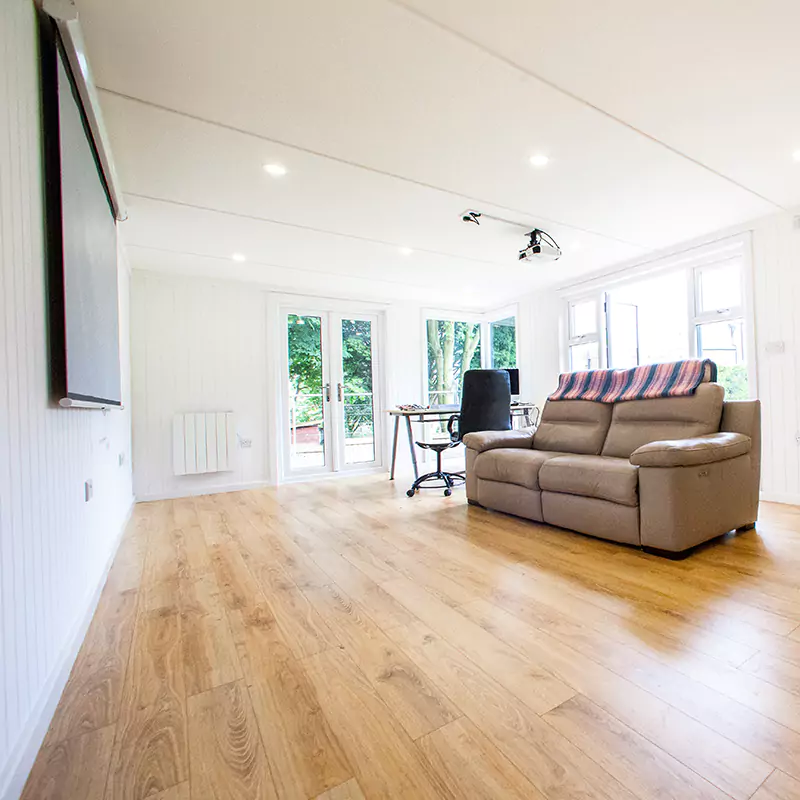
(327, 422)
(332, 379)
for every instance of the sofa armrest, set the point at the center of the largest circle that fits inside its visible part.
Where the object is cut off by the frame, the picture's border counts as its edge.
(692, 452)
(491, 440)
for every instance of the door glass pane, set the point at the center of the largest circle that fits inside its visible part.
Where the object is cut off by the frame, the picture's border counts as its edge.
(453, 348)
(357, 395)
(583, 318)
(584, 357)
(719, 287)
(504, 343)
(648, 321)
(623, 335)
(306, 393)
(723, 342)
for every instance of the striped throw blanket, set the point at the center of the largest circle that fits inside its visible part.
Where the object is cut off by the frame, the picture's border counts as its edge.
(678, 379)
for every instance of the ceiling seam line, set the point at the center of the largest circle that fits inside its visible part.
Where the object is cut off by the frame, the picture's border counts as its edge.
(278, 266)
(298, 226)
(384, 305)
(374, 170)
(577, 98)
(272, 287)
(309, 228)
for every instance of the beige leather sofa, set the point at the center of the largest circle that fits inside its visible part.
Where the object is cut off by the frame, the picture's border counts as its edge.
(664, 474)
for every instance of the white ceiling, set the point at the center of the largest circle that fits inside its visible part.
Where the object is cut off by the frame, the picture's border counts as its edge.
(661, 125)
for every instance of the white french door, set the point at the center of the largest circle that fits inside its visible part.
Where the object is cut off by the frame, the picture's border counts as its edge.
(331, 407)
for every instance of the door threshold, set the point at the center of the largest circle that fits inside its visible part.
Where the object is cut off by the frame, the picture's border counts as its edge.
(326, 476)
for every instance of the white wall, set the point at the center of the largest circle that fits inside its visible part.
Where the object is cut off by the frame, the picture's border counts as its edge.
(776, 273)
(776, 301)
(197, 345)
(54, 547)
(539, 345)
(205, 345)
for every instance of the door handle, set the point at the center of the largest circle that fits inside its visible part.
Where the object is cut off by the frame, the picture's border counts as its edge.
(327, 393)
(339, 392)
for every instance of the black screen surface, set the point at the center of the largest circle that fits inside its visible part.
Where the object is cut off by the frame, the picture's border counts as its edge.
(513, 379)
(89, 251)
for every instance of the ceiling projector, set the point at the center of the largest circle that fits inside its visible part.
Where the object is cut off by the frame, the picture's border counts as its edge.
(541, 245)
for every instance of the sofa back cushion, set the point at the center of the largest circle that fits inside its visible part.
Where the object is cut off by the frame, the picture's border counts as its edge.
(573, 426)
(638, 422)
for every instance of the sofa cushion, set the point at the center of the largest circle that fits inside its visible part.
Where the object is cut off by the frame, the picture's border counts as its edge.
(601, 477)
(517, 466)
(638, 422)
(573, 426)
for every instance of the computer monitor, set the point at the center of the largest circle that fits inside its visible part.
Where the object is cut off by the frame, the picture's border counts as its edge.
(513, 379)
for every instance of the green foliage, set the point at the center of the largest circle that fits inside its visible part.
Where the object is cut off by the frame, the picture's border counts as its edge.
(734, 379)
(453, 348)
(357, 369)
(305, 367)
(504, 346)
(305, 371)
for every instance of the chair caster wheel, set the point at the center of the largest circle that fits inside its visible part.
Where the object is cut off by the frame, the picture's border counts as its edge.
(410, 492)
(447, 493)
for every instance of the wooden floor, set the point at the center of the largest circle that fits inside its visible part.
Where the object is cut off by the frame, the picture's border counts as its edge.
(339, 640)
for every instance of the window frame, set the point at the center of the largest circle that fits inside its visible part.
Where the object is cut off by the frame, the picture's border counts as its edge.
(487, 354)
(594, 337)
(484, 319)
(691, 262)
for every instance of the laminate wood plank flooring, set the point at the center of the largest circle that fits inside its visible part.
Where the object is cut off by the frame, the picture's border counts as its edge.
(337, 640)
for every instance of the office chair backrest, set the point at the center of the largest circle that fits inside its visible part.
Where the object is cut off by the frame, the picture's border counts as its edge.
(485, 401)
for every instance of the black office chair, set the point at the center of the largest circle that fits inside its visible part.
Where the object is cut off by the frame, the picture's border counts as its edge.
(485, 406)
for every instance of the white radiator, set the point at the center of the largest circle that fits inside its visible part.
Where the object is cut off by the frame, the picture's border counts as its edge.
(203, 442)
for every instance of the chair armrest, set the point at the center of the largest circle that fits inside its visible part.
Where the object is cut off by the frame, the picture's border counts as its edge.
(491, 440)
(692, 452)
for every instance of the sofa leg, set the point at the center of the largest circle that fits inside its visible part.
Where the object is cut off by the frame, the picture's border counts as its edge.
(748, 527)
(670, 554)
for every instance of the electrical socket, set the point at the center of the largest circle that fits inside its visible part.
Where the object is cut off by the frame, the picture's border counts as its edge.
(121, 459)
(245, 443)
(88, 490)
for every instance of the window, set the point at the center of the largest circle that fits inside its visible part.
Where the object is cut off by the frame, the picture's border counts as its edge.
(695, 309)
(719, 324)
(647, 321)
(503, 338)
(584, 339)
(453, 348)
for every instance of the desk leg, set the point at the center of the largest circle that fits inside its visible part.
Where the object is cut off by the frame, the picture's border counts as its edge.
(411, 446)
(394, 446)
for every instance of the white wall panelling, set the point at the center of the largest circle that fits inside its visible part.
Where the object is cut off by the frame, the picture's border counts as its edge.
(200, 344)
(776, 283)
(54, 547)
(197, 345)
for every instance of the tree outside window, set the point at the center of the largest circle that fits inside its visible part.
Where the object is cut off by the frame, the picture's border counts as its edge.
(453, 348)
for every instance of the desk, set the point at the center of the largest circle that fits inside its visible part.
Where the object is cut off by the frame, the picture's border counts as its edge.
(520, 411)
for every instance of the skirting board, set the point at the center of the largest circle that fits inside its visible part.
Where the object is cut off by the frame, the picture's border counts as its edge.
(24, 754)
(197, 491)
(780, 497)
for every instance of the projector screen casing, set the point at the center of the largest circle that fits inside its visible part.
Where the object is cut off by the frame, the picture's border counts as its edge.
(82, 245)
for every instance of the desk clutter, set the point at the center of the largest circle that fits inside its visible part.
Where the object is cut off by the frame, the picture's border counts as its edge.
(485, 405)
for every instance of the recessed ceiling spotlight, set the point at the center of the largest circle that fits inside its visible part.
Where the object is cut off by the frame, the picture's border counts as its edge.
(275, 170)
(539, 160)
(406, 251)
(796, 155)
(238, 257)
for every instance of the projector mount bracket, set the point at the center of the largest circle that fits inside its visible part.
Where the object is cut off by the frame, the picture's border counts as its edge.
(535, 236)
